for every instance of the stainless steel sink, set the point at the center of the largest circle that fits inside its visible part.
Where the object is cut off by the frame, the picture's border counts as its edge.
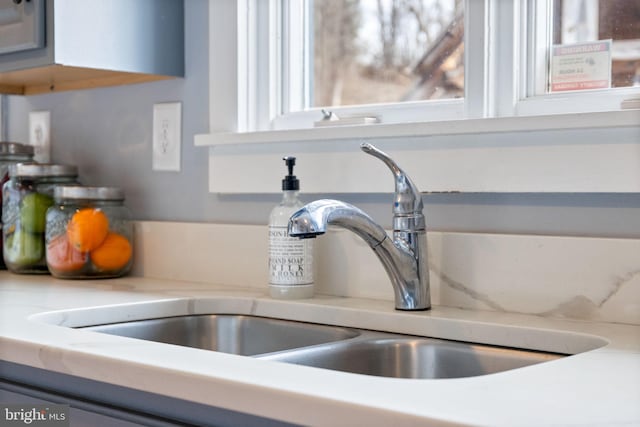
(351, 350)
(413, 357)
(236, 334)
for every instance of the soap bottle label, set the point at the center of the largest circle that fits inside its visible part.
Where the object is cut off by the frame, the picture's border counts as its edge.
(290, 258)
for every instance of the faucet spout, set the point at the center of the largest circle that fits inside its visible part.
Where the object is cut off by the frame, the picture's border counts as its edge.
(404, 258)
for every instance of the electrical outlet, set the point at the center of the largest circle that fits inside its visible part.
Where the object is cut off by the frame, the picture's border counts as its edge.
(167, 136)
(40, 135)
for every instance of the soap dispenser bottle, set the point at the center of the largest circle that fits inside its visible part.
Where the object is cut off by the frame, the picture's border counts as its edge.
(290, 258)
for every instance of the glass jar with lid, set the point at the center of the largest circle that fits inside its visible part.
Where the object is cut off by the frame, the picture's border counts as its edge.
(25, 200)
(10, 153)
(89, 233)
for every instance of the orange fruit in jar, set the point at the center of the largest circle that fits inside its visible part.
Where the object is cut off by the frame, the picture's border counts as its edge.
(63, 257)
(87, 229)
(113, 254)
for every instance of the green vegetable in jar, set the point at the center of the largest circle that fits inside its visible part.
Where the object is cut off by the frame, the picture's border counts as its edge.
(22, 248)
(33, 212)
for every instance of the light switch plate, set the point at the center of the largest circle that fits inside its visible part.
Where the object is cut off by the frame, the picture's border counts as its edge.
(40, 135)
(167, 136)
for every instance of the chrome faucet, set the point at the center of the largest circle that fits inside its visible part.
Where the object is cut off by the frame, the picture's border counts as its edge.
(404, 258)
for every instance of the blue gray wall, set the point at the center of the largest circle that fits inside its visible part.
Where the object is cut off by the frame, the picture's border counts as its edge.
(107, 132)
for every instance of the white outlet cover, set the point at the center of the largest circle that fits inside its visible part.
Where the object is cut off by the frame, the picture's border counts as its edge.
(167, 136)
(40, 135)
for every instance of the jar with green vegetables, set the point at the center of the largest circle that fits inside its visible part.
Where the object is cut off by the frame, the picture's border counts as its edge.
(26, 197)
(10, 154)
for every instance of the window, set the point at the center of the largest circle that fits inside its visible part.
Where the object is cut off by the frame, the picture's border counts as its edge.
(587, 21)
(559, 28)
(366, 52)
(491, 139)
(370, 58)
(404, 60)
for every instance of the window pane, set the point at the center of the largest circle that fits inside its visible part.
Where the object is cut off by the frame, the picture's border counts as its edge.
(386, 51)
(578, 21)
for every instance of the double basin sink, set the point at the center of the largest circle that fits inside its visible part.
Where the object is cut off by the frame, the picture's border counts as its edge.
(346, 349)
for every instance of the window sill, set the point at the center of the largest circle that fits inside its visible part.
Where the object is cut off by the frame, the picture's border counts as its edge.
(448, 127)
(584, 152)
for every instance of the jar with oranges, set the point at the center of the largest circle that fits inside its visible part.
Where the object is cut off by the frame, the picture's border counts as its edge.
(89, 233)
(25, 200)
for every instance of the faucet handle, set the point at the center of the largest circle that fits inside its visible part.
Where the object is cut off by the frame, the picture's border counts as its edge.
(408, 201)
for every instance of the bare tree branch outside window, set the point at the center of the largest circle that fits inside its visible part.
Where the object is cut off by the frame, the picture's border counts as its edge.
(381, 51)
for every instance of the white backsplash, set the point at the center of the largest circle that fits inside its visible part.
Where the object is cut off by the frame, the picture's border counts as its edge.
(571, 277)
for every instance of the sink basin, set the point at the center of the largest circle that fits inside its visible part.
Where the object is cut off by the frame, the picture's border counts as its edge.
(236, 334)
(414, 357)
(357, 351)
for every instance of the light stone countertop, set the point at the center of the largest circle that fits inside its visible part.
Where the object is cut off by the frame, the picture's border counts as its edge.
(597, 387)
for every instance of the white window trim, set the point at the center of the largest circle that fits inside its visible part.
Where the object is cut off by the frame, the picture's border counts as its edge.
(232, 151)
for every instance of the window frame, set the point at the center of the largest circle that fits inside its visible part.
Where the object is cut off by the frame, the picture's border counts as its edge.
(503, 84)
(290, 110)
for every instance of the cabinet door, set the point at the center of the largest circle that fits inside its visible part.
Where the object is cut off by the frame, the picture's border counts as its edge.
(21, 25)
(81, 413)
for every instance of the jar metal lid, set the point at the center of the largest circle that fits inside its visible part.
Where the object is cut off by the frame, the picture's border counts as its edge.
(78, 192)
(41, 170)
(15, 149)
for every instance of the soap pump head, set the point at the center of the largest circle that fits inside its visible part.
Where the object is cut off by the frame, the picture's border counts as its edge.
(290, 182)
